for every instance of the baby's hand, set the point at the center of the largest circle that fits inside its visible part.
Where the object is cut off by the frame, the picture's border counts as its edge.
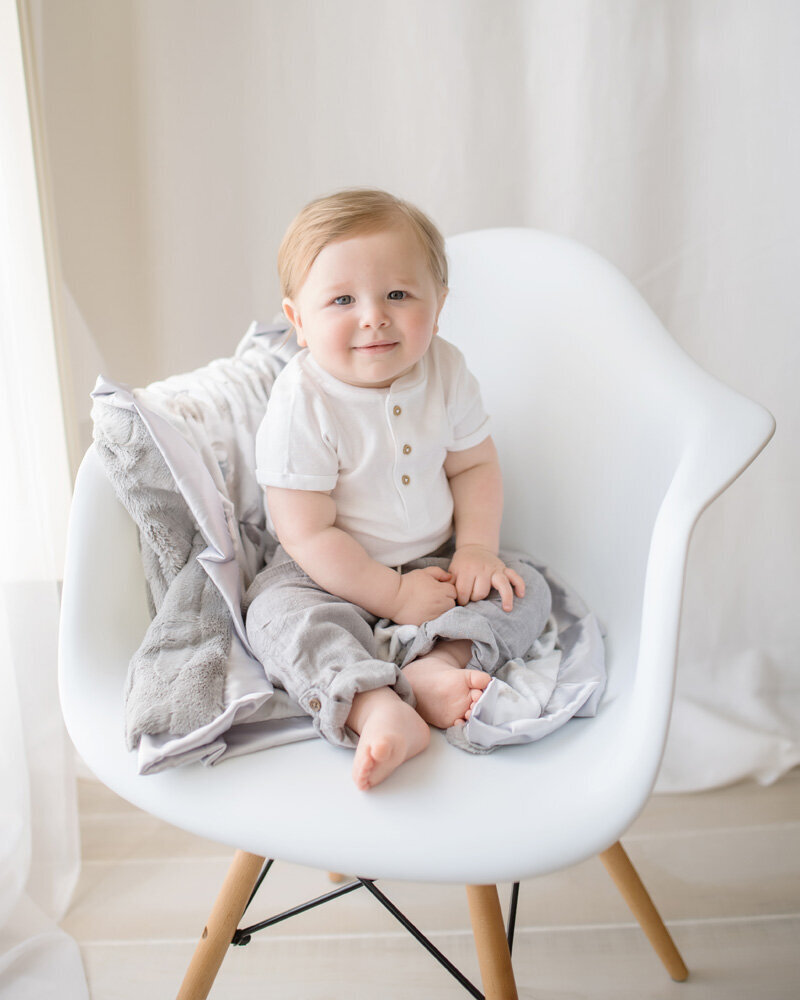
(476, 570)
(423, 594)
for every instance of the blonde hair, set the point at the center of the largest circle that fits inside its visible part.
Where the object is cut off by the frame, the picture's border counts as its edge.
(344, 214)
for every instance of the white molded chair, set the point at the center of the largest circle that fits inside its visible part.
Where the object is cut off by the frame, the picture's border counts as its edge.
(612, 443)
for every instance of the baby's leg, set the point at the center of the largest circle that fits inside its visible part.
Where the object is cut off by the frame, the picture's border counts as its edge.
(389, 731)
(322, 650)
(317, 647)
(444, 689)
(497, 636)
(449, 679)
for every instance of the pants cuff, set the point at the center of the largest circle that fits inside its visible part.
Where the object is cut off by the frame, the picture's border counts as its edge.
(329, 704)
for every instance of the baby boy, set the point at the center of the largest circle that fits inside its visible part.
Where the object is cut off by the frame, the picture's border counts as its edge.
(384, 491)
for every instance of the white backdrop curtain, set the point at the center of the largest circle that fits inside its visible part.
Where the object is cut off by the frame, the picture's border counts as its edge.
(39, 846)
(663, 133)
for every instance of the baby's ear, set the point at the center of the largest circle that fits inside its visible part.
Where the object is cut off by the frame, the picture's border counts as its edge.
(291, 312)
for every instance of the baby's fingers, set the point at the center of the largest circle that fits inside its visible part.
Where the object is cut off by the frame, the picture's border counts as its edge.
(464, 586)
(502, 584)
(447, 588)
(438, 573)
(482, 586)
(516, 581)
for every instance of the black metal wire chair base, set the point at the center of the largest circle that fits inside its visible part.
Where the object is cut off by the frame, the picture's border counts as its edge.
(244, 934)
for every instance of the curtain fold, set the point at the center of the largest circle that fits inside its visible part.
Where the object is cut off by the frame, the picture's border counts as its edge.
(39, 844)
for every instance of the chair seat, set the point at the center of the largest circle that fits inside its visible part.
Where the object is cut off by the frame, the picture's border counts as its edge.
(456, 804)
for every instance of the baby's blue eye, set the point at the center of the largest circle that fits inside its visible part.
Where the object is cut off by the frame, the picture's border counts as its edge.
(343, 300)
(397, 295)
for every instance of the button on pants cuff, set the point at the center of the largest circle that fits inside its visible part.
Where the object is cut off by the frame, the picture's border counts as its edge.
(335, 700)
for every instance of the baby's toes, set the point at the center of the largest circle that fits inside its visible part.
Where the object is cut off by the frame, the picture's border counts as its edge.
(477, 680)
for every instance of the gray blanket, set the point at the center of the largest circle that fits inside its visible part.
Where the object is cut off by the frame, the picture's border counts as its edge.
(176, 678)
(180, 455)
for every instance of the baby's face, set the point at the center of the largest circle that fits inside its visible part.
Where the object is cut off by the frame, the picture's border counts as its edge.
(369, 307)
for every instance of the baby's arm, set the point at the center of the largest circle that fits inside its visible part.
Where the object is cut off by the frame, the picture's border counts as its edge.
(304, 522)
(477, 487)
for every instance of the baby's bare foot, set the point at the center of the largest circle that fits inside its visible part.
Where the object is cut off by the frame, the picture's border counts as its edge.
(390, 733)
(446, 692)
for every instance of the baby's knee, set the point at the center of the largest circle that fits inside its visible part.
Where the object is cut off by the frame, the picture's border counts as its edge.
(267, 613)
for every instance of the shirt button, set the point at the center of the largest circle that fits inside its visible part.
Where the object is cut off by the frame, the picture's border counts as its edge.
(397, 410)
(315, 705)
(405, 480)
(406, 449)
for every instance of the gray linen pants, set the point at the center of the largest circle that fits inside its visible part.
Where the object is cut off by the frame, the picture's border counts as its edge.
(324, 650)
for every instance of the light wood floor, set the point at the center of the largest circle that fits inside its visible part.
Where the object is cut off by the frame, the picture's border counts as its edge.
(723, 867)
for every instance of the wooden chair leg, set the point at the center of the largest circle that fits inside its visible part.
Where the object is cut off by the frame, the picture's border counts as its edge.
(491, 943)
(619, 867)
(221, 926)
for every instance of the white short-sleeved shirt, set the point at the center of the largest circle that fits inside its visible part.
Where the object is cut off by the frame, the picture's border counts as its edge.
(379, 452)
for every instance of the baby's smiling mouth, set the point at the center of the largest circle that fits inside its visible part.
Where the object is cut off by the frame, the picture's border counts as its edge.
(381, 347)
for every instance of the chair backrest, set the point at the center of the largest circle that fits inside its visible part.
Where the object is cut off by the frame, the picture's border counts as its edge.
(611, 438)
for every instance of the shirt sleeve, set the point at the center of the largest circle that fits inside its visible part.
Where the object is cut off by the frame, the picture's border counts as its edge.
(469, 422)
(296, 442)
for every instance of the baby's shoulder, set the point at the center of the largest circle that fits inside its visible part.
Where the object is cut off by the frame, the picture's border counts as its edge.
(296, 394)
(447, 361)
(294, 380)
(445, 352)
(294, 371)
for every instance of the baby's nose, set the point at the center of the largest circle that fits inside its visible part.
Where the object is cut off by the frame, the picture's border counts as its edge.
(373, 316)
